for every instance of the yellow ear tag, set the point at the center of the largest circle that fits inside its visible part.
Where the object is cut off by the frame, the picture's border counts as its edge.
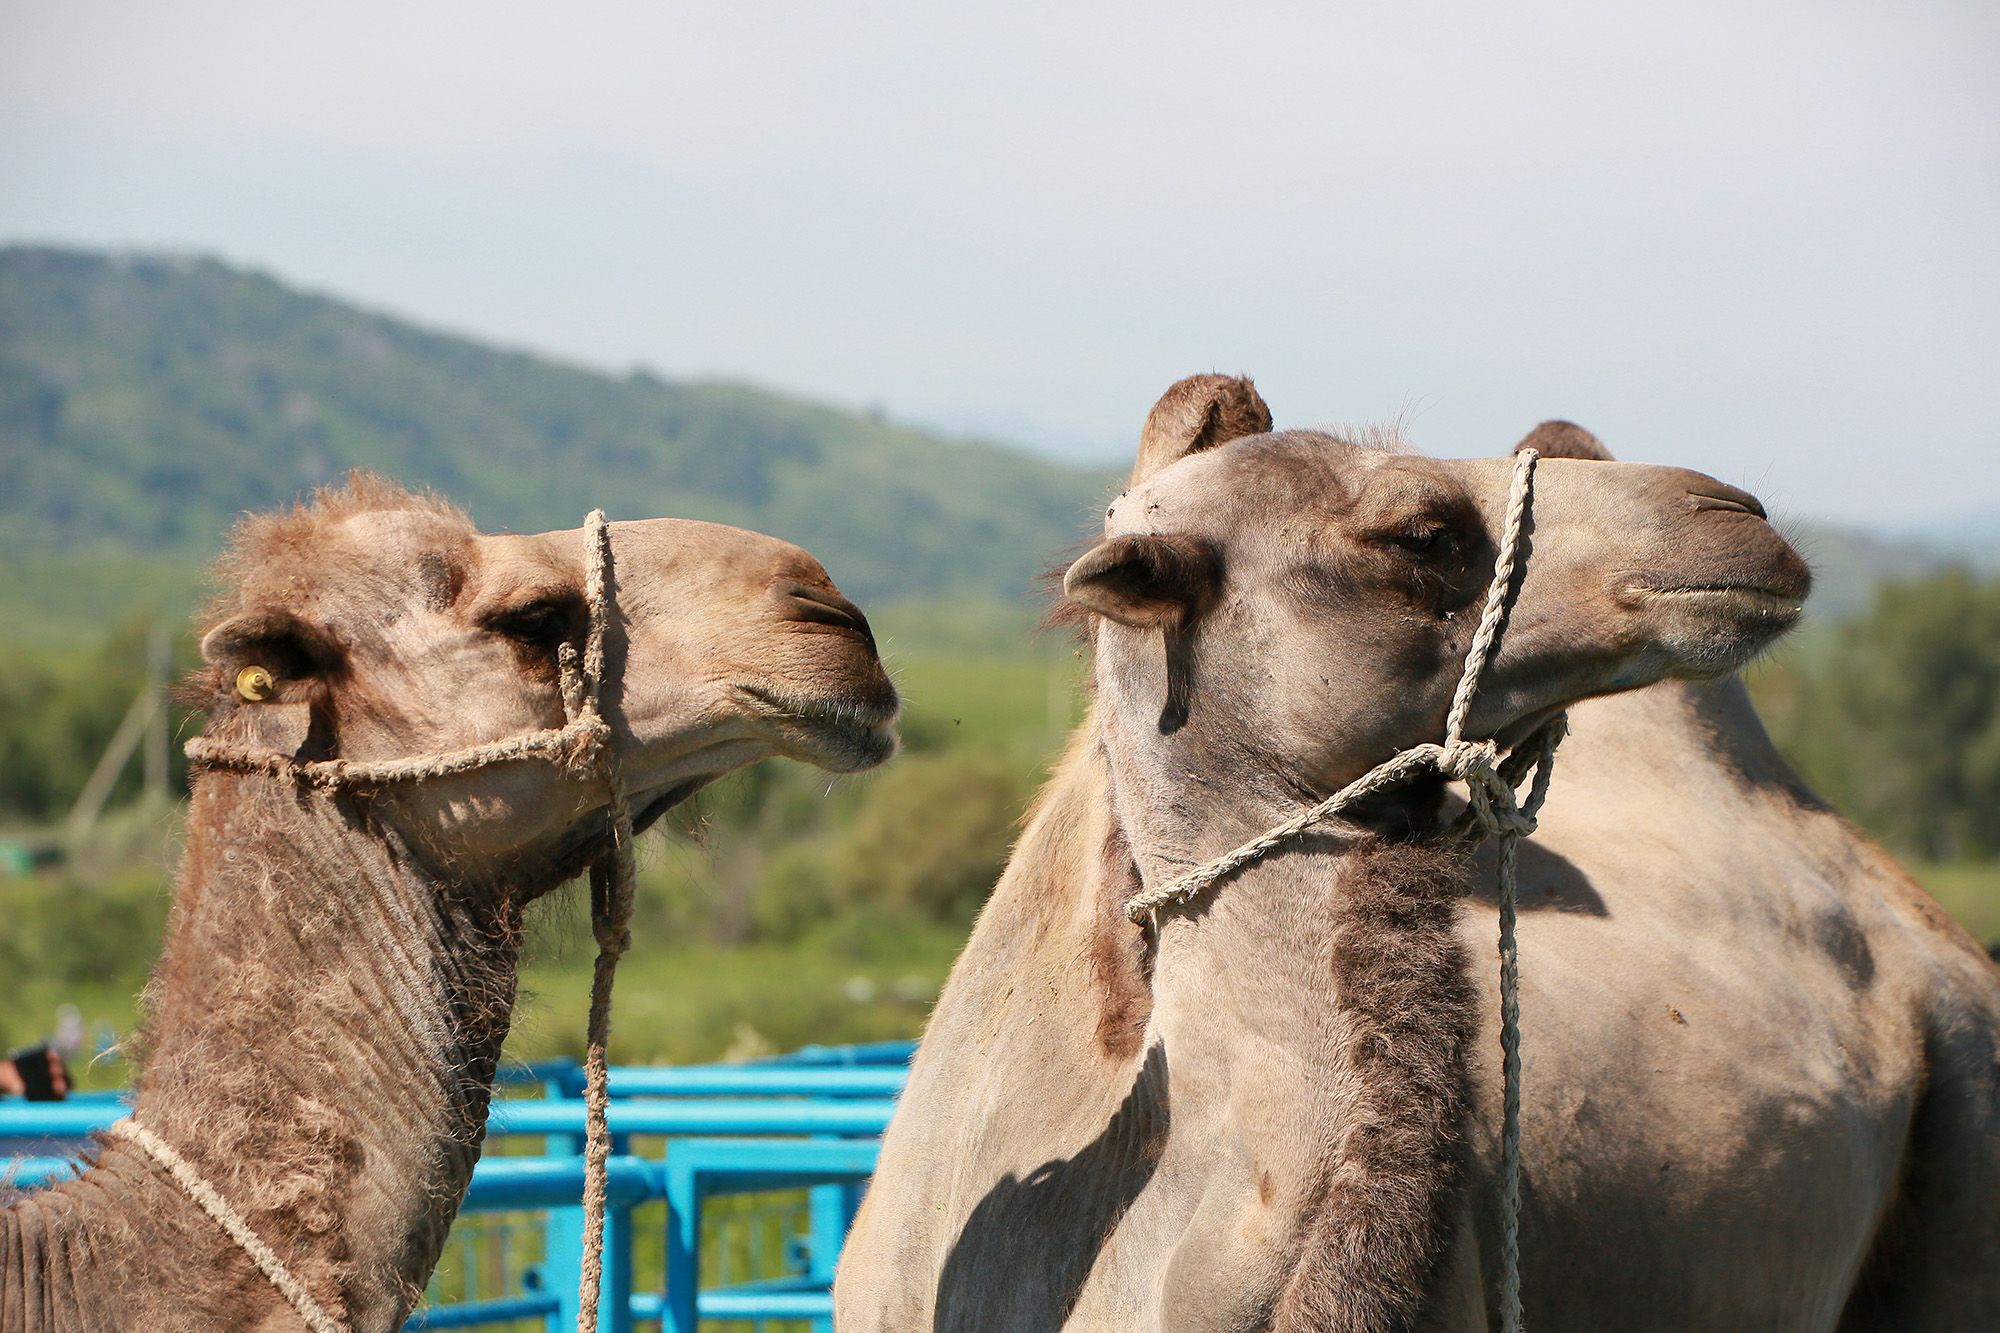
(254, 683)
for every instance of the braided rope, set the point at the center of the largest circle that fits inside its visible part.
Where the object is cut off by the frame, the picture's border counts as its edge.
(611, 879)
(1549, 737)
(231, 1221)
(1499, 599)
(576, 745)
(582, 745)
(1492, 808)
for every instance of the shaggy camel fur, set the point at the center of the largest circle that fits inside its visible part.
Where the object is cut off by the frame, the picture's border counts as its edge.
(1760, 1078)
(339, 968)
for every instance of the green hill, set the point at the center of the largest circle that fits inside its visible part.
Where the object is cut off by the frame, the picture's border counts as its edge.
(145, 401)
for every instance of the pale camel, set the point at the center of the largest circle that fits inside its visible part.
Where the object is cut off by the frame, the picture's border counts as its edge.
(1760, 1062)
(339, 968)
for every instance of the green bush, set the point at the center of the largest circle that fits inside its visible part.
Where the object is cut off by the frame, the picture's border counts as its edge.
(58, 711)
(73, 933)
(68, 940)
(1897, 719)
(923, 840)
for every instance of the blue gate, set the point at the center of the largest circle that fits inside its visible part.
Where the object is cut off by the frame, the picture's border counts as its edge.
(731, 1187)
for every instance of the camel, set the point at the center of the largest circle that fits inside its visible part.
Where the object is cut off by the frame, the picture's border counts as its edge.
(1760, 1079)
(339, 967)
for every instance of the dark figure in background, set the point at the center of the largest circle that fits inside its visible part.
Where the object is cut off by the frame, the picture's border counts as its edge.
(36, 1073)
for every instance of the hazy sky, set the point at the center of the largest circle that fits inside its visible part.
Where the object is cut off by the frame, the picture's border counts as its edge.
(1755, 238)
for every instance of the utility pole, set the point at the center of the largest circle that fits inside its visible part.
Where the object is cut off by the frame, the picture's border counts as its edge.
(145, 722)
(159, 669)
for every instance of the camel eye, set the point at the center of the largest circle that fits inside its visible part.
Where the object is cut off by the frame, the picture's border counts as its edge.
(543, 624)
(1428, 540)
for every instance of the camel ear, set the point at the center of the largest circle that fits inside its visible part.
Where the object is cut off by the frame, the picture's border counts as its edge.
(1199, 413)
(259, 654)
(271, 638)
(1564, 439)
(1144, 581)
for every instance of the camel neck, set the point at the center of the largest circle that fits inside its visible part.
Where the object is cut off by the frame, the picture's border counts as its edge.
(323, 1030)
(1370, 1071)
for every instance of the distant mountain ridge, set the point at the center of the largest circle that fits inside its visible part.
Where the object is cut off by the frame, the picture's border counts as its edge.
(146, 400)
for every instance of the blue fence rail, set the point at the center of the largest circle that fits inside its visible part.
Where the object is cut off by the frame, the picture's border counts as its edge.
(801, 1130)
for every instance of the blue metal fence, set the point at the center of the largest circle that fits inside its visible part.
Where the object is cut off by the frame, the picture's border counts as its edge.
(731, 1188)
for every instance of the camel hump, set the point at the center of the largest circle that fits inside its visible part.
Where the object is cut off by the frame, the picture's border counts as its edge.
(1199, 413)
(1564, 439)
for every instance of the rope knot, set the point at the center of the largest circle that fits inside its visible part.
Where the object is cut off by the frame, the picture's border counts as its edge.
(1495, 807)
(587, 746)
(1508, 817)
(1468, 761)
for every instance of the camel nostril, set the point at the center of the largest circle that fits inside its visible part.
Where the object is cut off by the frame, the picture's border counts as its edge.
(1729, 500)
(807, 604)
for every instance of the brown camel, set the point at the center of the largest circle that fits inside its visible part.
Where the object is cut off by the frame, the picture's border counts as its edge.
(339, 968)
(1760, 1062)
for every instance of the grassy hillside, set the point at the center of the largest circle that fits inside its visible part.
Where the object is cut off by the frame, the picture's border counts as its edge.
(145, 401)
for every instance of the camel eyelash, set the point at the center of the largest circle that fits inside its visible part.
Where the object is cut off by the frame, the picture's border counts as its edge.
(543, 623)
(1427, 540)
(1422, 539)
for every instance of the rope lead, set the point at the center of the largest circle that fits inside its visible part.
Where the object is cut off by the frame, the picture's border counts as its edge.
(610, 921)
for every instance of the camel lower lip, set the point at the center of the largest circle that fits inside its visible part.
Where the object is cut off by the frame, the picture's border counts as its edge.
(1738, 596)
(1756, 597)
(843, 719)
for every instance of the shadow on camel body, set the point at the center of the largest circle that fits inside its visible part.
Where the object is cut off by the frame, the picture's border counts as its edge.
(339, 966)
(1759, 1061)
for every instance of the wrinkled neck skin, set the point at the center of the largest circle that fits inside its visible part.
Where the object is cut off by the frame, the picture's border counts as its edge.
(323, 1030)
(1314, 1161)
(1184, 789)
(1184, 799)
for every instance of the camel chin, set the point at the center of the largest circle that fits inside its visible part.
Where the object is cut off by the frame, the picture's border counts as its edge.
(838, 734)
(1707, 632)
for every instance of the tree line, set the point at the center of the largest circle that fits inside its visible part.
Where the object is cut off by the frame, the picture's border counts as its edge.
(1893, 715)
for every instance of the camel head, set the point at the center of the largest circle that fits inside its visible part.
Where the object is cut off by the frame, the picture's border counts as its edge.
(374, 624)
(1311, 598)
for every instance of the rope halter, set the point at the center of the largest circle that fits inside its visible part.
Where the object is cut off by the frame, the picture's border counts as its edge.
(582, 747)
(1493, 807)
